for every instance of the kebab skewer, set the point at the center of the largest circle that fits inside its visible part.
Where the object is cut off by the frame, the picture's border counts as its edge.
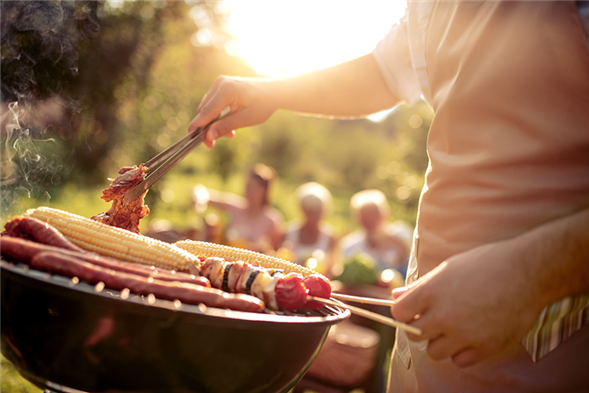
(279, 291)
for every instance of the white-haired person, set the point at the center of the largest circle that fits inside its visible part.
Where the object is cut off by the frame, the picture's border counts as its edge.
(387, 243)
(311, 236)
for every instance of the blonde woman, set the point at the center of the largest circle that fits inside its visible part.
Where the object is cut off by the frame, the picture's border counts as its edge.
(311, 236)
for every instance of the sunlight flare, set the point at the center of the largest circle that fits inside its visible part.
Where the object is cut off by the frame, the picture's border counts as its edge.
(285, 36)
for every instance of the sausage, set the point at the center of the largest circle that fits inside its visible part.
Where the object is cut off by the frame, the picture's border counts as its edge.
(146, 271)
(24, 250)
(15, 248)
(42, 232)
(69, 266)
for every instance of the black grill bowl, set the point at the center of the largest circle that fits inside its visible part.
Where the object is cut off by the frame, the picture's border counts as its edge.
(65, 337)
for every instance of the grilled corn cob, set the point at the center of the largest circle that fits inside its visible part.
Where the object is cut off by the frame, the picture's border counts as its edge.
(116, 242)
(233, 254)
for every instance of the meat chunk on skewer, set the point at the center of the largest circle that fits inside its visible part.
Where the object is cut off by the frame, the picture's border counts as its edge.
(278, 291)
(125, 217)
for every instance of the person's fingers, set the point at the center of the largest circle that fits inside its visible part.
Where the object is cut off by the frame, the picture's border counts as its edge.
(441, 347)
(419, 296)
(217, 130)
(208, 112)
(409, 305)
(218, 98)
(228, 125)
(211, 137)
(428, 326)
(467, 357)
(398, 292)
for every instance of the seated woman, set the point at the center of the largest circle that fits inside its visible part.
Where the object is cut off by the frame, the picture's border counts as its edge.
(311, 237)
(254, 223)
(388, 244)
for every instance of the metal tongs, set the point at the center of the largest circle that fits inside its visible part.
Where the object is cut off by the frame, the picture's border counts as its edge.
(167, 159)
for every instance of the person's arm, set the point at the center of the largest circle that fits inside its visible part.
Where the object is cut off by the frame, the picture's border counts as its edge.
(476, 303)
(352, 89)
(225, 201)
(277, 233)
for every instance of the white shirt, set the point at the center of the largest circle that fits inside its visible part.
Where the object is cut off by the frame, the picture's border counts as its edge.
(401, 54)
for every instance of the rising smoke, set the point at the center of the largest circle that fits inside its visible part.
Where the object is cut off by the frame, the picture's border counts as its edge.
(39, 48)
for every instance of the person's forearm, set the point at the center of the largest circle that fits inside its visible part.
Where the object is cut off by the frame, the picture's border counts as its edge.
(555, 257)
(352, 89)
(225, 200)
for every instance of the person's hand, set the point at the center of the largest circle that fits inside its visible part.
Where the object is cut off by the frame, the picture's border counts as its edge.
(471, 306)
(249, 100)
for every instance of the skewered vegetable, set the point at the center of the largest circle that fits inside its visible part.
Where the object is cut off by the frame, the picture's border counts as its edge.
(318, 286)
(115, 242)
(278, 291)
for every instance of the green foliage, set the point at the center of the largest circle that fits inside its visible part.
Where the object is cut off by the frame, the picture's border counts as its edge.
(359, 270)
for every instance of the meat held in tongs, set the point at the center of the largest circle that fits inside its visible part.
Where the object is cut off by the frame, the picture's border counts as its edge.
(121, 215)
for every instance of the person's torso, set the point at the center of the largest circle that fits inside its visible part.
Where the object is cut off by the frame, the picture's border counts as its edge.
(385, 257)
(302, 251)
(509, 143)
(248, 227)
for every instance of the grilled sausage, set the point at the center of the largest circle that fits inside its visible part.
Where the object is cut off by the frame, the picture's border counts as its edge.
(187, 293)
(15, 248)
(24, 251)
(42, 232)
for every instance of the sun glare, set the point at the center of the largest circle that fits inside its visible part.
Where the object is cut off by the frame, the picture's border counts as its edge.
(283, 36)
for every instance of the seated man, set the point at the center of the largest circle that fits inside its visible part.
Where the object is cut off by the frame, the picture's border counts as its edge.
(388, 244)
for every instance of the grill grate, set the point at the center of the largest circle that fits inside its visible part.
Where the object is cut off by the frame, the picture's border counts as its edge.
(150, 300)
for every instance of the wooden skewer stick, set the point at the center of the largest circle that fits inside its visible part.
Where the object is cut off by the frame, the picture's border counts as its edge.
(369, 314)
(365, 300)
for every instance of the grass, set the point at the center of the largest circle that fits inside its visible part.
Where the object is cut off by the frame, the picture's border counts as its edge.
(12, 382)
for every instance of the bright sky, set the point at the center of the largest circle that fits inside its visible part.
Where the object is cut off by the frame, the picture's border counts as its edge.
(278, 36)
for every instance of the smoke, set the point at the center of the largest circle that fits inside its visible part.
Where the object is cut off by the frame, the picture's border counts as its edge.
(40, 41)
(39, 46)
(30, 164)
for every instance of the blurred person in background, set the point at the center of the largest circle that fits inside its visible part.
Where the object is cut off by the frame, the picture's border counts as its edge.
(498, 279)
(310, 236)
(254, 224)
(387, 243)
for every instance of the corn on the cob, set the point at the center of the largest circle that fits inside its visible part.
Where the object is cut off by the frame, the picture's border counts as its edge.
(115, 242)
(233, 254)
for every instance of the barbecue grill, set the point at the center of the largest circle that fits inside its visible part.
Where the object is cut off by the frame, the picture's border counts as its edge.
(67, 336)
